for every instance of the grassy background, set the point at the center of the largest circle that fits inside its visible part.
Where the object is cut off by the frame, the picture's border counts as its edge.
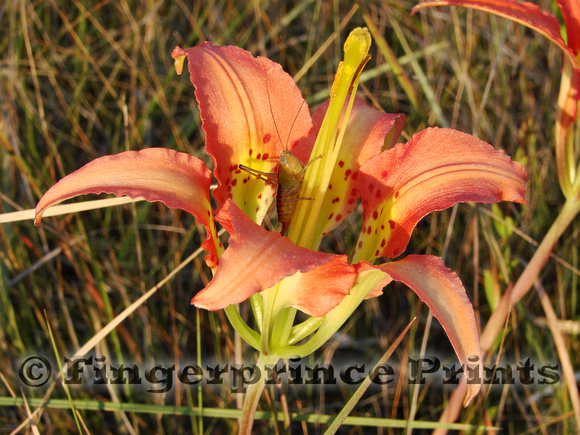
(83, 80)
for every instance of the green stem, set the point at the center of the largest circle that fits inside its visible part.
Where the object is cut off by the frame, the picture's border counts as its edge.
(282, 328)
(305, 329)
(254, 393)
(257, 305)
(246, 333)
(269, 298)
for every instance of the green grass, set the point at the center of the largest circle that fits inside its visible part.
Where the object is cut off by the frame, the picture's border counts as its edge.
(78, 82)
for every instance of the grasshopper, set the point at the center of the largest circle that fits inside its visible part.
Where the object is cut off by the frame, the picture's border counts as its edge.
(288, 180)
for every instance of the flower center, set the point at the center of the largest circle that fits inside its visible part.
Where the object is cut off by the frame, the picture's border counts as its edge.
(329, 139)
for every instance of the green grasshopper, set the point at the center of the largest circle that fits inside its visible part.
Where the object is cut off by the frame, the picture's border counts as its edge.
(288, 180)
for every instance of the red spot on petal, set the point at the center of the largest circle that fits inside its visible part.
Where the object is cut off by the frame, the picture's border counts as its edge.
(369, 229)
(251, 151)
(397, 194)
(228, 181)
(347, 173)
(330, 216)
(267, 138)
(233, 168)
(234, 182)
(396, 253)
(378, 194)
(383, 243)
(351, 201)
(338, 217)
(392, 223)
(335, 200)
(257, 209)
(259, 156)
(341, 164)
(359, 244)
(265, 156)
(260, 196)
(377, 253)
(245, 180)
(382, 227)
(375, 214)
(209, 213)
(329, 186)
(355, 175)
(384, 174)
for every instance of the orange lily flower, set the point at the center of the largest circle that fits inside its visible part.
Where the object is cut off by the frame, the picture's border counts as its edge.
(249, 110)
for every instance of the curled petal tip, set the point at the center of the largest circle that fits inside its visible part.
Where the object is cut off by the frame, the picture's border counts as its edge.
(472, 392)
(440, 288)
(179, 55)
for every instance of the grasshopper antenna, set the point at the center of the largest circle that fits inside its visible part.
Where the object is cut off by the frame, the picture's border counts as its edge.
(274, 118)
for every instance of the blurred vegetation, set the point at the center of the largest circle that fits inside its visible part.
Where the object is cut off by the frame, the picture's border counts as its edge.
(81, 80)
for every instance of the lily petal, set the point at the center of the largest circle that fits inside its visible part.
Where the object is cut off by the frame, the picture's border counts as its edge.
(434, 170)
(571, 12)
(178, 180)
(251, 110)
(362, 268)
(257, 259)
(441, 289)
(320, 290)
(525, 13)
(367, 133)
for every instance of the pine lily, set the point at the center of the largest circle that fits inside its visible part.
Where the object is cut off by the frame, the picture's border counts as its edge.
(248, 107)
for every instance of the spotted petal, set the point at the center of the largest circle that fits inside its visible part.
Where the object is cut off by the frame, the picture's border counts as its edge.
(442, 291)
(257, 259)
(176, 179)
(251, 110)
(434, 170)
(367, 133)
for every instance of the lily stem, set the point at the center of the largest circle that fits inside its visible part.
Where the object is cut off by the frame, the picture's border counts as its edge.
(254, 393)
